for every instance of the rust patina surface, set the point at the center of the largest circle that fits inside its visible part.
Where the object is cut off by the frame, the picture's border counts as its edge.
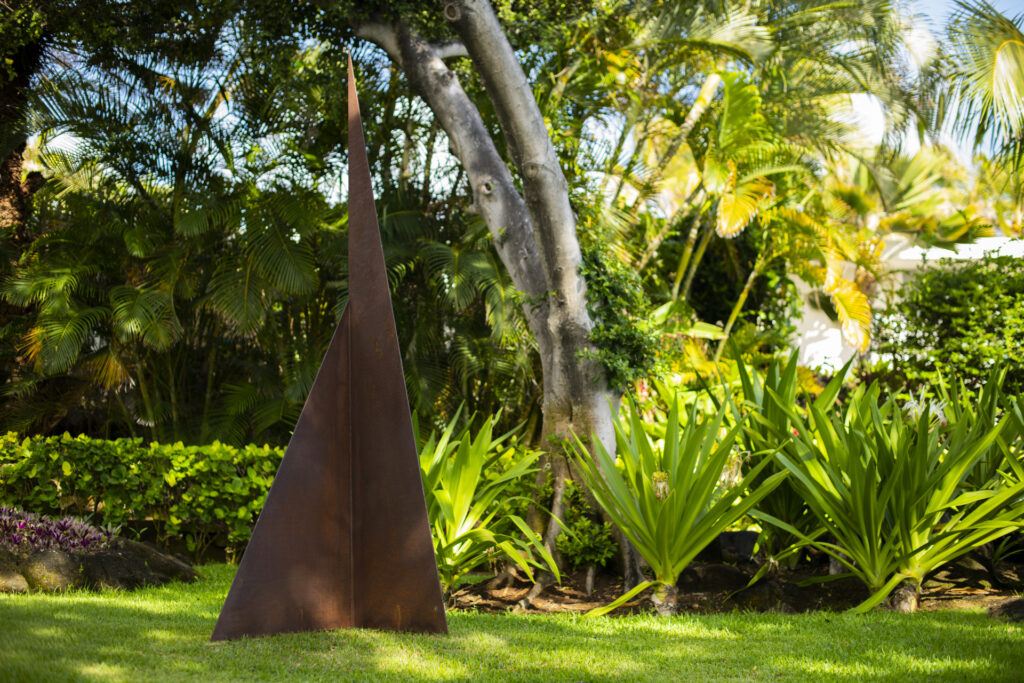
(343, 540)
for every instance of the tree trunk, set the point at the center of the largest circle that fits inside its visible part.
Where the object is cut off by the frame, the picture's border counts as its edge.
(588, 582)
(665, 599)
(907, 597)
(698, 256)
(691, 243)
(534, 232)
(14, 193)
(737, 308)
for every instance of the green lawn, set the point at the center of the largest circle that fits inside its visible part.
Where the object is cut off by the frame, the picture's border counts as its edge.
(162, 634)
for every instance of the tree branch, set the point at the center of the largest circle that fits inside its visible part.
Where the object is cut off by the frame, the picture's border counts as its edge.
(384, 37)
(544, 184)
(494, 192)
(452, 49)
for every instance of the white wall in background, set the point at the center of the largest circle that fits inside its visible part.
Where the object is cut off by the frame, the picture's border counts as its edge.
(819, 339)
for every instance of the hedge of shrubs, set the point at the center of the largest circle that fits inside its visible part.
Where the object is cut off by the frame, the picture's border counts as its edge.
(204, 495)
(956, 321)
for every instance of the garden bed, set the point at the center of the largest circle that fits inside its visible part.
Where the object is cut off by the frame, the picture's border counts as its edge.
(707, 588)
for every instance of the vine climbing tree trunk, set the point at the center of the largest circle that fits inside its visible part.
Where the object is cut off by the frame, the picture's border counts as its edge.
(534, 231)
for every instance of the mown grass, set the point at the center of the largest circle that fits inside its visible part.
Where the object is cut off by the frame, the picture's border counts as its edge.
(162, 634)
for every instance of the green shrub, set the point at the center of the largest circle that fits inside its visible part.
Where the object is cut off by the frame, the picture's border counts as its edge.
(666, 493)
(959, 320)
(586, 541)
(200, 494)
(468, 479)
(203, 496)
(889, 488)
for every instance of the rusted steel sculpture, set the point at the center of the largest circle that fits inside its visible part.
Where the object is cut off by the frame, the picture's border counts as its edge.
(343, 540)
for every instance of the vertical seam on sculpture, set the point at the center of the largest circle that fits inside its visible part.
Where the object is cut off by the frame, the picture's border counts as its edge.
(351, 468)
(348, 353)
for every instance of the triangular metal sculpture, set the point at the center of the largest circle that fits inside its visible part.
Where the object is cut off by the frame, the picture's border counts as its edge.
(343, 539)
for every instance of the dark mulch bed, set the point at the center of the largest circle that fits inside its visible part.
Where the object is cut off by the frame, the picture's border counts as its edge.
(718, 587)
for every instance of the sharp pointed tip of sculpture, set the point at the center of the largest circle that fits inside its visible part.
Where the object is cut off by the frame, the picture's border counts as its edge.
(353, 97)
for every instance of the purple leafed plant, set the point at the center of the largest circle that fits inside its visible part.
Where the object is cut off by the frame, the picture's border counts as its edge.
(24, 532)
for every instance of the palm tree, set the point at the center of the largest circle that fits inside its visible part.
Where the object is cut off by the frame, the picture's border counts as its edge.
(730, 111)
(189, 267)
(985, 67)
(980, 91)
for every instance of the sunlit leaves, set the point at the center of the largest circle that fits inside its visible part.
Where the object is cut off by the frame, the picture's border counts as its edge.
(988, 75)
(665, 492)
(56, 340)
(106, 369)
(470, 476)
(738, 206)
(893, 491)
(741, 121)
(238, 298)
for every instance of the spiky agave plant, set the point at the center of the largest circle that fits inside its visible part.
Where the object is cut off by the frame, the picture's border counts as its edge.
(888, 490)
(667, 493)
(469, 479)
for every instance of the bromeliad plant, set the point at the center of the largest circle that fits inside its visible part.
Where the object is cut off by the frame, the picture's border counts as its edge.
(667, 494)
(888, 489)
(469, 481)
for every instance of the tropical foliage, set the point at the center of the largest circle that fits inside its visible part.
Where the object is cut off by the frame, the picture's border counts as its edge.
(954, 322)
(172, 267)
(664, 492)
(760, 410)
(24, 533)
(468, 478)
(894, 492)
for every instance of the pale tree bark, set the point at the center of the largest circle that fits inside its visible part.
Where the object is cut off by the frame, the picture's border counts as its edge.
(534, 232)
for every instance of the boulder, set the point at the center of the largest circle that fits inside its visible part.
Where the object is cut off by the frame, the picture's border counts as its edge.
(159, 562)
(129, 564)
(114, 568)
(123, 564)
(51, 570)
(11, 580)
(738, 546)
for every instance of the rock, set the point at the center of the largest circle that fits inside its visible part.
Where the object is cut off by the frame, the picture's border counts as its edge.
(115, 568)
(1010, 609)
(711, 553)
(51, 570)
(11, 580)
(906, 598)
(123, 564)
(129, 564)
(160, 563)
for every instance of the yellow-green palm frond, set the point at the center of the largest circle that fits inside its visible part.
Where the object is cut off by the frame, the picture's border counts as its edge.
(738, 206)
